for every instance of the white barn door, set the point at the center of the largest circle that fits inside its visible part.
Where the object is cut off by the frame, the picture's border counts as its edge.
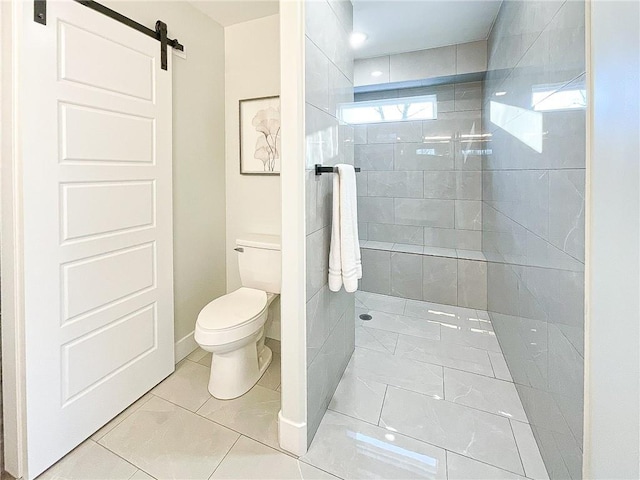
(95, 130)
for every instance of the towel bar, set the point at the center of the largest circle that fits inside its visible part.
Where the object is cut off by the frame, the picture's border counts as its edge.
(320, 169)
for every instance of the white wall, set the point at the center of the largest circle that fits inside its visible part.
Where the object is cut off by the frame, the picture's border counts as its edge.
(612, 361)
(292, 425)
(198, 154)
(252, 69)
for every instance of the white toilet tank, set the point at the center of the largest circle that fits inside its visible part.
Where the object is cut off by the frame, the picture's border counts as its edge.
(259, 261)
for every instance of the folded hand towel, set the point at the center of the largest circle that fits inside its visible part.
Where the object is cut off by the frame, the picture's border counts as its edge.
(345, 266)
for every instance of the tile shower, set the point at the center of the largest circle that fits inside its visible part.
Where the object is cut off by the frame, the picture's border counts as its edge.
(329, 82)
(533, 215)
(483, 207)
(420, 199)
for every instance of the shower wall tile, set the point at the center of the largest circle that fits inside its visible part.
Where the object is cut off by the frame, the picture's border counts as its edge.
(346, 138)
(398, 168)
(468, 239)
(468, 185)
(502, 289)
(472, 284)
(468, 156)
(394, 132)
(452, 238)
(440, 237)
(376, 271)
(566, 219)
(442, 185)
(329, 34)
(424, 156)
(406, 276)
(360, 134)
(343, 9)
(468, 96)
(321, 137)
(471, 57)
(318, 198)
(329, 316)
(374, 157)
(363, 231)
(422, 64)
(533, 218)
(323, 312)
(375, 209)
(325, 371)
(424, 212)
(395, 184)
(362, 185)
(405, 234)
(444, 95)
(316, 76)
(434, 275)
(317, 262)
(340, 90)
(365, 67)
(440, 280)
(468, 215)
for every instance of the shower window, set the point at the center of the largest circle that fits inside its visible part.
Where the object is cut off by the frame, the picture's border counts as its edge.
(424, 107)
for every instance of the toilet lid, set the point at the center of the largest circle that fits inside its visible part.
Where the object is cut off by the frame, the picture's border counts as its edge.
(233, 309)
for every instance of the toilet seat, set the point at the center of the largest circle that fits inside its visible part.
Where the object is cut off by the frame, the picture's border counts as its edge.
(233, 310)
(232, 317)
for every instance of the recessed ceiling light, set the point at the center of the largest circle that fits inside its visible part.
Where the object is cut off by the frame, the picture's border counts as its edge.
(376, 73)
(500, 94)
(357, 39)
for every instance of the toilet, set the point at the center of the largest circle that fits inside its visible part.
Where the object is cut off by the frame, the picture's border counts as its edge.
(233, 326)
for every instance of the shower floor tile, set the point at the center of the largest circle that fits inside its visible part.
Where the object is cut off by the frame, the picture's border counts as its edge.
(457, 428)
(451, 392)
(352, 449)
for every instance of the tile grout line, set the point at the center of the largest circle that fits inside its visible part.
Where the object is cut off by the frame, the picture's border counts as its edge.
(436, 364)
(307, 462)
(225, 456)
(440, 365)
(222, 425)
(354, 418)
(484, 463)
(496, 415)
(513, 433)
(431, 444)
(117, 455)
(148, 397)
(446, 463)
(444, 387)
(491, 365)
(384, 399)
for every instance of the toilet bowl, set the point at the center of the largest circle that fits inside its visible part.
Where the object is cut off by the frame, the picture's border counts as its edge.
(232, 327)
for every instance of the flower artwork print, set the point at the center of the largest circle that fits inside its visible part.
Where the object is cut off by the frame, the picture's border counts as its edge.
(260, 136)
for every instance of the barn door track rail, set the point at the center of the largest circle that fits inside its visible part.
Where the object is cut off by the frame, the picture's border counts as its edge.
(160, 32)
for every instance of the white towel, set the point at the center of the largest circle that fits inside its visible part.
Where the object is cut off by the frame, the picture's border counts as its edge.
(345, 266)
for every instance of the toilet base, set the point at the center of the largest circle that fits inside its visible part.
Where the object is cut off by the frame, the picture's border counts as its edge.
(234, 373)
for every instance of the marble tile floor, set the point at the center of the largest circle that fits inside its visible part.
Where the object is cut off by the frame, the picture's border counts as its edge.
(427, 394)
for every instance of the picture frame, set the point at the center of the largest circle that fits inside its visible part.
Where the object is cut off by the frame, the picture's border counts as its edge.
(260, 136)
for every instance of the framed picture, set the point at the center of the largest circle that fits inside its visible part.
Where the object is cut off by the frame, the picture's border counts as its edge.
(260, 136)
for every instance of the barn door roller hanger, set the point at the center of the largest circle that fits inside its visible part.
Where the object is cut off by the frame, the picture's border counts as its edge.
(160, 32)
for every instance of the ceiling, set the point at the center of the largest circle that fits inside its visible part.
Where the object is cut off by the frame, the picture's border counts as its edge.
(229, 12)
(394, 26)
